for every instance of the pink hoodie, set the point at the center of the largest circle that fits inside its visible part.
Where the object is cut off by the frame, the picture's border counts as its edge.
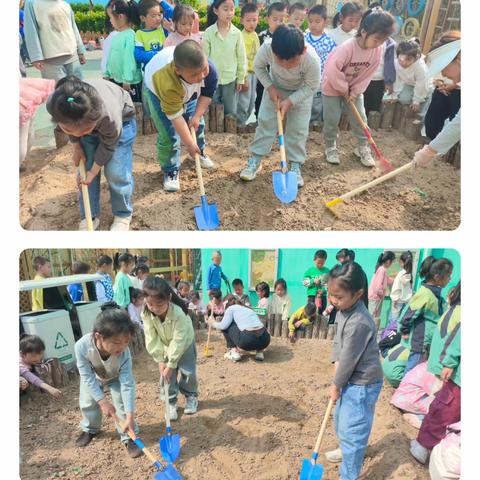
(350, 68)
(33, 92)
(380, 282)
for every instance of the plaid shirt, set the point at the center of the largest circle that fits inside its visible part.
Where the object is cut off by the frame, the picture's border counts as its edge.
(323, 46)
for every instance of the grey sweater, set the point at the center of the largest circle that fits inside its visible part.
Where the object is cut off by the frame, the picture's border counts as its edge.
(355, 348)
(303, 80)
(117, 108)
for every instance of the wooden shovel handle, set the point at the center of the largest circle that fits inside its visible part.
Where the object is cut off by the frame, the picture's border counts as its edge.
(281, 138)
(324, 426)
(166, 399)
(357, 115)
(208, 336)
(86, 197)
(197, 165)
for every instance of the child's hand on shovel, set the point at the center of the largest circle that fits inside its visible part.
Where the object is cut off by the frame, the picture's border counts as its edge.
(129, 424)
(285, 106)
(167, 374)
(334, 393)
(107, 408)
(193, 149)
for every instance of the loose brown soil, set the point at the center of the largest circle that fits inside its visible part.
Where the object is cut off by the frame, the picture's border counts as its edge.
(422, 199)
(255, 421)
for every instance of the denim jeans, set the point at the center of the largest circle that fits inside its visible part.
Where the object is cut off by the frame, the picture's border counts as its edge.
(187, 384)
(56, 72)
(227, 95)
(118, 172)
(168, 140)
(353, 423)
(246, 100)
(92, 414)
(413, 360)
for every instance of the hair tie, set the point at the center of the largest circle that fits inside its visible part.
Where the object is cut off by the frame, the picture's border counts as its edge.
(70, 99)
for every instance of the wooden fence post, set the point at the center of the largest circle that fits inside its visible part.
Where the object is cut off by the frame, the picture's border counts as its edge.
(277, 331)
(323, 327)
(285, 328)
(374, 119)
(387, 115)
(220, 117)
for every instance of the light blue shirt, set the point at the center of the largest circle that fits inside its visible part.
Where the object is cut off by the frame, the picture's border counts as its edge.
(244, 317)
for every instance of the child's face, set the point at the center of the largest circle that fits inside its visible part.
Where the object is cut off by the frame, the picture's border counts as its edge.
(280, 291)
(45, 270)
(275, 20)
(453, 71)
(351, 22)
(388, 264)
(138, 302)
(341, 298)
(225, 12)
(406, 61)
(316, 24)
(157, 306)
(106, 268)
(115, 345)
(192, 75)
(217, 259)
(195, 300)
(250, 21)
(442, 280)
(184, 290)
(260, 293)
(33, 358)
(184, 26)
(142, 275)
(319, 262)
(401, 263)
(119, 21)
(153, 19)
(373, 41)
(77, 130)
(127, 267)
(291, 62)
(297, 18)
(238, 289)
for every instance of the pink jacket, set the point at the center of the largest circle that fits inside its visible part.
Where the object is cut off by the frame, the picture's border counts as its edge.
(175, 39)
(33, 92)
(380, 282)
(350, 68)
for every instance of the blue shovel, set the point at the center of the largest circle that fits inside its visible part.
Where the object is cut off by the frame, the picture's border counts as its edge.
(169, 444)
(206, 214)
(168, 472)
(285, 183)
(310, 469)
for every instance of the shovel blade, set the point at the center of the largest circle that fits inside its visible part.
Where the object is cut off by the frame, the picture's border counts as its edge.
(208, 352)
(311, 471)
(206, 215)
(170, 447)
(168, 473)
(285, 186)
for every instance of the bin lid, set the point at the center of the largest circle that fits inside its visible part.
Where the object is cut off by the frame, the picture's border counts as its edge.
(27, 285)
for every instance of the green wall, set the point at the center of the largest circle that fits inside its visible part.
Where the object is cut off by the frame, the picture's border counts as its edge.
(292, 264)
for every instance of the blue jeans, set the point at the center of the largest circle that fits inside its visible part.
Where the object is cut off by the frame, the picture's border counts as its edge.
(413, 360)
(56, 72)
(186, 369)
(118, 172)
(353, 424)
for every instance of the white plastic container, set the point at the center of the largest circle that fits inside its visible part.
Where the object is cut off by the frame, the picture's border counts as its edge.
(55, 329)
(87, 314)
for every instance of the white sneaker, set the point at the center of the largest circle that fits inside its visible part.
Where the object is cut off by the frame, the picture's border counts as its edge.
(191, 406)
(120, 224)
(172, 411)
(419, 452)
(365, 155)
(205, 161)
(83, 224)
(233, 355)
(250, 172)
(171, 183)
(259, 357)
(295, 167)
(334, 456)
(331, 155)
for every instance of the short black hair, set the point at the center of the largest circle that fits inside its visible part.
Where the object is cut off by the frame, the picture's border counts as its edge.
(145, 5)
(248, 8)
(310, 309)
(104, 260)
(263, 287)
(136, 293)
(142, 268)
(282, 283)
(319, 10)
(112, 321)
(411, 48)
(320, 254)
(31, 344)
(296, 6)
(288, 42)
(182, 10)
(237, 281)
(79, 267)
(189, 55)
(276, 7)
(39, 262)
(376, 21)
(216, 293)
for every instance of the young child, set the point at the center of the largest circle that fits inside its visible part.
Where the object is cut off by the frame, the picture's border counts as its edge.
(281, 301)
(413, 85)
(238, 287)
(135, 306)
(296, 14)
(197, 304)
(170, 340)
(224, 46)
(180, 85)
(401, 291)
(417, 322)
(122, 68)
(247, 96)
(43, 269)
(358, 374)
(215, 307)
(141, 273)
(345, 255)
(263, 292)
(215, 273)
(103, 359)
(379, 284)
(348, 71)
(125, 264)
(276, 14)
(150, 39)
(315, 280)
(104, 287)
(183, 19)
(183, 290)
(31, 353)
(300, 318)
(99, 117)
(346, 22)
(75, 289)
(323, 45)
(293, 79)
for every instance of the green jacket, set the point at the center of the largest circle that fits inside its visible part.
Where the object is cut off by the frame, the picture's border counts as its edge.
(444, 328)
(421, 316)
(122, 289)
(451, 356)
(309, 277)
(395, 362)
(167, 341)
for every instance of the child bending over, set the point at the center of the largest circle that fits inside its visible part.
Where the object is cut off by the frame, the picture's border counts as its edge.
(300, 319)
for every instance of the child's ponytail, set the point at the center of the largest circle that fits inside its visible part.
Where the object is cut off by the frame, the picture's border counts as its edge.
(432, 267)
(384, 257)
(129, 8)
(112, 321)
(410, 48)
(157, 287)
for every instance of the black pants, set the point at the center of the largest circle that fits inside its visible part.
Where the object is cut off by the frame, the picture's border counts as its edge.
(258, 100)
(441, 108)
(246, 340)
(135, 90)
(372, 98)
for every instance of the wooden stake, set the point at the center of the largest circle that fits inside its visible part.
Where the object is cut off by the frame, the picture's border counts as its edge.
(387, 115)
(206, 119)
(323, 327)
(316, 327)
(374, 119)
(309, 331)
(285, 328)
(413, 130)
(230, 123)
(220, 116)
(212, 118)
(277, 331)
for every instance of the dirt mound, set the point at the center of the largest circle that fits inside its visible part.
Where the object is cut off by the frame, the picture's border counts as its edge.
(424, 199)
(255, 420)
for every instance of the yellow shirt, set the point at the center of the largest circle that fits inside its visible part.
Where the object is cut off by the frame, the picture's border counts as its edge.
(296, 316)
(37, 295)
(252, 44)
